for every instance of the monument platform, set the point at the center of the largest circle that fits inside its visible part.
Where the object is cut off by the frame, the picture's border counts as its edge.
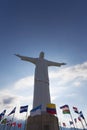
(44, 121)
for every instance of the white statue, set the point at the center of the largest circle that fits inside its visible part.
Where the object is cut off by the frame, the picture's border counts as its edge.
(41, 83)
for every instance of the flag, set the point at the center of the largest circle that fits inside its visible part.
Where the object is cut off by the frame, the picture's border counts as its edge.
(75, 110)
(75, 120)
(9, 122)
(36, 111)
(51, 108)
(64, 124)
(81, 115)
(71, 123)
(13, 111)
(65, 109)
(79, 118)
(19, 125)
(2, 114)
(0, 117)
(23, 108)
(13, 124)
(4, 121)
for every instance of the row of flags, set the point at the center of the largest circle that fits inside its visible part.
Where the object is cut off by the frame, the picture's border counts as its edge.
(51, 109)
(10, 123)
(22, 109)
(71, 122)
(66, 110)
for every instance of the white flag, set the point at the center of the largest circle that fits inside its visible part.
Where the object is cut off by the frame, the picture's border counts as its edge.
(36, 111)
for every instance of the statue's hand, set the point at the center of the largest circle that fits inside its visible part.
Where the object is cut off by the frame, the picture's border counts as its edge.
(17, 55)
(63, 64)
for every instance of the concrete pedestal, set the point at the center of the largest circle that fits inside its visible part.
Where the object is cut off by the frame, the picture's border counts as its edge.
(42, 122)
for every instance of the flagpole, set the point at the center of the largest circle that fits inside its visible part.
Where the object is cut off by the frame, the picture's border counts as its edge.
(12, 120)
(76, 126)
(20, 127)
(72, 120)
(4, 125)
(0, 125)
(82, 125)
(82, 117)
(26, 120)
(85, 122)
(14, 126)
(60, 126)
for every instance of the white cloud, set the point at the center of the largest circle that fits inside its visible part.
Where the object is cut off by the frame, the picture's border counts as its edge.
(25, 82)
(68, 74)
(77, 83)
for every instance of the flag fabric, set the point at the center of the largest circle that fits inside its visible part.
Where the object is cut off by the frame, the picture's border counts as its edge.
(51, 108)
(71, 123)
(36, 111)
(13, 111)
(13, 124)
(23, 108)
(79, 118)
(4, 121)
(81, 115)
(19, 125)
(64, 124)
(9, 122)
(2, 115)
(75, 120)
(76, 110)
(65, 109)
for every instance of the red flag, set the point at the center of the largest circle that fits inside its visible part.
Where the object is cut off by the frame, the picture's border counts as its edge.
(75, 110)
(13, 123)
(79, 118)
(19, 125)
(64, 124)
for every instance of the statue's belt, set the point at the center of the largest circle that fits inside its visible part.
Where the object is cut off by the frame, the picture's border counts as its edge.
(42, 81)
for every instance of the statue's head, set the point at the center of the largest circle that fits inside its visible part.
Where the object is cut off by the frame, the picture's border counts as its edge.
(41, 55)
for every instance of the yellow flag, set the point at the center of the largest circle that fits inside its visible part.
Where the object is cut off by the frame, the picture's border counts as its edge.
(51, 105)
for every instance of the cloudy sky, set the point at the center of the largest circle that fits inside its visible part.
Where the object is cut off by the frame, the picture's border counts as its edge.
(59, 28)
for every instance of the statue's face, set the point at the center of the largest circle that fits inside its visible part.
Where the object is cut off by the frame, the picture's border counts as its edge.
(42, 55)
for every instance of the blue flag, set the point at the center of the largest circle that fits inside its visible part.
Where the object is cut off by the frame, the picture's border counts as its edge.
(81, 115)
(36, 111)
(2, 114)
(23, 108)
(70, 122)
(13, 111)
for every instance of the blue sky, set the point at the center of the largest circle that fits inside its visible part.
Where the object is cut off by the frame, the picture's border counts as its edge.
(59, 28)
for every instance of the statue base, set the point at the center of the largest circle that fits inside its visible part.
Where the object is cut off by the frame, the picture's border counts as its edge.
(44, 121)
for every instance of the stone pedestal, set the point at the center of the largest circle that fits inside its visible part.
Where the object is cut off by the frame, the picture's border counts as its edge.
(42, 122)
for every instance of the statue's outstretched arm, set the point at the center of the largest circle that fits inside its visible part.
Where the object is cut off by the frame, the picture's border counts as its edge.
(51, 63)
(30, 59)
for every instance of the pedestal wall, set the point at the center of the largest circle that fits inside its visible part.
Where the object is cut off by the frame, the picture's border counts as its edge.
(42, 122)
